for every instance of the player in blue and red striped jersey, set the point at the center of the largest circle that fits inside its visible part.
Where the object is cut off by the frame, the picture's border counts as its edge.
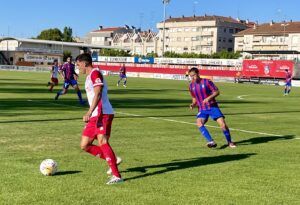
(288, 82)
(204, 92)
(68, 73)
(122, 75)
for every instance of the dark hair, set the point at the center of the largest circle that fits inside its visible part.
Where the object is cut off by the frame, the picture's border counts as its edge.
(286, 70)
(194, 69)
(86, 57)
(55, 61)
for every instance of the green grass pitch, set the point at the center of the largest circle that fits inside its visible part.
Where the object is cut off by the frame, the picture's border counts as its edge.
(165, 160)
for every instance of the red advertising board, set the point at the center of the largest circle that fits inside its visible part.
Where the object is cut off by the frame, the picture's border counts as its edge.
(163, 69)
(266, 68)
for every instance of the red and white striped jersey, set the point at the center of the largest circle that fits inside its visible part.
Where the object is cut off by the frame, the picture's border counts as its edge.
(95, 78)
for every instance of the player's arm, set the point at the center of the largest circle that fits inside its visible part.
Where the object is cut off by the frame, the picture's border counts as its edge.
(214, 92)
(96, 99)
(212, 96)
(194, 103)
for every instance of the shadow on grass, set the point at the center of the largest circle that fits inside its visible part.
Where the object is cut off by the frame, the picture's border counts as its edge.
(184, 164)
(66, 173)
(40, 120)
(260, 140)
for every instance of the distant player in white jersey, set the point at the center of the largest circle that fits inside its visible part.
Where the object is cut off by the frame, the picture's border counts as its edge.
(54, 75)
(98, 118)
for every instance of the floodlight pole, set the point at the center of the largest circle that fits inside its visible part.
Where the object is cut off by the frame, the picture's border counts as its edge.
(165, 2)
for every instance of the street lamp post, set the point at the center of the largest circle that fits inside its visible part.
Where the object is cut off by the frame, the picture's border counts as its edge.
(165, 2)
(284, 29)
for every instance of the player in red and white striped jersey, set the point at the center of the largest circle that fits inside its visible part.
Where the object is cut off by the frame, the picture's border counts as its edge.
(98, 118)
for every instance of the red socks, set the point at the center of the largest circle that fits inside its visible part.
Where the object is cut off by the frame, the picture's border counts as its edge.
(110, 158)
(95, 150)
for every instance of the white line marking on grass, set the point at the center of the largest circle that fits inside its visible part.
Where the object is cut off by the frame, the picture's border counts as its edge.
(176, 121)
(216, 127)
(241, 97)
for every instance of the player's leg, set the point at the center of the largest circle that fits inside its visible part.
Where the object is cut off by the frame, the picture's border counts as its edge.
(106, 126)
(285, 89)
(63, 91)
(107, 150)
(120, 79)
(288, 89)
(76, 87)
(226, 132)
(89, 134)
(125, 81)
(86, 144)
(202, 118)
(54, 81)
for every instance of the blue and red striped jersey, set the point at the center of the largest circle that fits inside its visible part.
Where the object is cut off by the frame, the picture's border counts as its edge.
(201, 89)
(69, 71)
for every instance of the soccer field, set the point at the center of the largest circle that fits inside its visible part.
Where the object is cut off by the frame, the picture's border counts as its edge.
(165, 159)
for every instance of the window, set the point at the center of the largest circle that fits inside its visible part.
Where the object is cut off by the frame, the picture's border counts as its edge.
(231, 30)
(179, 39)
(187, 39)
(225, 30)
(185, 48)
(230, 40)
(224, 39)
(187, 29)
(220, 39)
(194, 29)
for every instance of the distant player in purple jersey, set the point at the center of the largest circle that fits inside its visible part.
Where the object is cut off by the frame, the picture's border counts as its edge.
(122, 75)
(288, 82)
(204, 92)
(67, 71)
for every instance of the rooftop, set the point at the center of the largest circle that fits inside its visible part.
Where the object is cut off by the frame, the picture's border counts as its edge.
(272, 29)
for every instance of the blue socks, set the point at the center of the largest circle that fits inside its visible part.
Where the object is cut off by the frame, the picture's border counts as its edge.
(205, 133)
(227, 135)
(79, 96)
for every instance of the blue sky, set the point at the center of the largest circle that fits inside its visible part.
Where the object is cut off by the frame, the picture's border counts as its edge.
(26, 18)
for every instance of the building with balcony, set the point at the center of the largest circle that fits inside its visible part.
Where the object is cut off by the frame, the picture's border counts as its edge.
(140, 43)
(270, 41)
(104, 36)
(199, 34)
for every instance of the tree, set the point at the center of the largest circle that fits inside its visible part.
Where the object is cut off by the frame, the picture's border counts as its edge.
(68, 34)
(53, 34)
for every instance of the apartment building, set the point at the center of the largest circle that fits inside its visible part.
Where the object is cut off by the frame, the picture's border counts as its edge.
(270, 41)
(140, 43)
(199, 34)
(103, 36)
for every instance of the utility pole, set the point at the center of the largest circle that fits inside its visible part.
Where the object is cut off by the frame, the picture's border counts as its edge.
(165, 2)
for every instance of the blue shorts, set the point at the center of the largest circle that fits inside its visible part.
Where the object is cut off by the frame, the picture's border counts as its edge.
(213, 112)
(288, 84)
(67, 83)
(123, 76)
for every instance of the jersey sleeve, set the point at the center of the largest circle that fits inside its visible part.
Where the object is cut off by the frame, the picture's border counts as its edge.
(97, 78)
(212, 86)
(62, 67)
(191, 92)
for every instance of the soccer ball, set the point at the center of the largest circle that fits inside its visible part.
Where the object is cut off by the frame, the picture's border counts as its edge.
(48, 167)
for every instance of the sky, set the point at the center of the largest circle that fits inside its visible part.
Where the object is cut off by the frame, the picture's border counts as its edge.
(27, 18)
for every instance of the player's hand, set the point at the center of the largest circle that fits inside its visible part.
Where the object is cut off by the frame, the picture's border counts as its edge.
(86, 117)
(192, 106)
(205, 101)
